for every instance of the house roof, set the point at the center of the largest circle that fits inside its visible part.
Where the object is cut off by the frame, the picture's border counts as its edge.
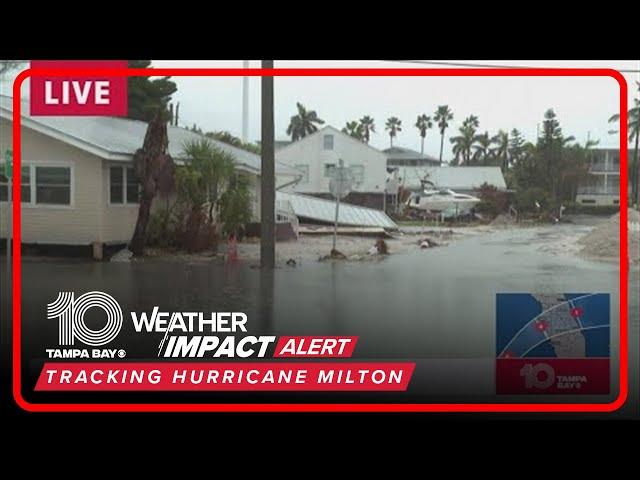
(401, 153)
(117, 138)
(461, 178)
(335, 131)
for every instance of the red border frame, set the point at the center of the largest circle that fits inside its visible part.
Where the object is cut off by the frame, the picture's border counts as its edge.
(321, 407)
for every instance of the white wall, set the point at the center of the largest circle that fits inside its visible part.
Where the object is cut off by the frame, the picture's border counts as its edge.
(78, 223)
(310, 151)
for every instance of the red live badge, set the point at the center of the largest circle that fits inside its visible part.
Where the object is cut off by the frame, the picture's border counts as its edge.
(78, 95)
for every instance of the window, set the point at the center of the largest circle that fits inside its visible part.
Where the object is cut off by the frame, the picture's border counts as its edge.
(116, 183)
(328, 142)
(304, 169)
(53, 185)
(612, 184)
(328, 169)
(25, 185)
(123, 185)
(357, 171)
(615, 163)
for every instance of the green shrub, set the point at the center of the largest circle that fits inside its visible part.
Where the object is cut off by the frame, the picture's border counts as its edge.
(492, 201)
(161, 229)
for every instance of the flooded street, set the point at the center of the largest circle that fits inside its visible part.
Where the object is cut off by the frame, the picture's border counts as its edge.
(423, 304)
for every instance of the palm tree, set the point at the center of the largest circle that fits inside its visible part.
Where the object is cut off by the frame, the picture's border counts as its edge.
(462, 145)
(471, 121)
(155, 170)
(482, 149)
(633, 122)
(501, 151)
(368, 126)
(393, 125)
(303, 123)
(354, 129)
(443, 116)
(423, 123)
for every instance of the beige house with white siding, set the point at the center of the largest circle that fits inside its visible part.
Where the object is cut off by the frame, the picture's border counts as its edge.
(78, 186)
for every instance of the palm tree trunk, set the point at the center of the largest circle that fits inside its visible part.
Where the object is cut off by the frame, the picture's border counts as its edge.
(137, 241)
(441, 146)
(390, 140)
(422, 146)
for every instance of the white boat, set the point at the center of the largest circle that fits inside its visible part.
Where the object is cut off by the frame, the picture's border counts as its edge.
(442, 200)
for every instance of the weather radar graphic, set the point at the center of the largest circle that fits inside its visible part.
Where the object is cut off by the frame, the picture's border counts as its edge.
(552, 343)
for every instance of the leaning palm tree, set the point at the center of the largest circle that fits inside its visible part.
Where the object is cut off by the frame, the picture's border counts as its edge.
(368, 127)
(443, 116)
(633, 122)
(393, 125)
(423, 123)
(354, 129)
(303, 123)
(501, 150)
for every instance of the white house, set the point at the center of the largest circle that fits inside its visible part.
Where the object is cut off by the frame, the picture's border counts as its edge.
(316, 155)
(602, 186)
(78, 185)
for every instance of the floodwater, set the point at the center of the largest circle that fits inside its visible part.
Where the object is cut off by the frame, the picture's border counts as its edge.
(425, 304)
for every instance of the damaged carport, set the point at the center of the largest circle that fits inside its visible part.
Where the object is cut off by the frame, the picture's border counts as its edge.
(316, 215)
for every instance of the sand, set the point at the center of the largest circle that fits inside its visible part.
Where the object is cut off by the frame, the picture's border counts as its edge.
(603, 242)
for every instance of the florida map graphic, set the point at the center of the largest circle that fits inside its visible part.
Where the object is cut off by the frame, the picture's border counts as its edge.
(552, 343)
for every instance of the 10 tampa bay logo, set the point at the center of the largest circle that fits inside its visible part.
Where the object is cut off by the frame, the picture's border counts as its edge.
(70, 313)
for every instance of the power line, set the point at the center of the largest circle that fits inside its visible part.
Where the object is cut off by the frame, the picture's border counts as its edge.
(477, 65)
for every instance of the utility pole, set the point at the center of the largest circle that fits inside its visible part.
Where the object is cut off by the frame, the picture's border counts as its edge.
(245, 104)
(267, 179)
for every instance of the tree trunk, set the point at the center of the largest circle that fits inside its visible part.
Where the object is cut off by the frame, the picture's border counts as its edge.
(391, 140)
(441, 146)
(137, 241)
(422, 146)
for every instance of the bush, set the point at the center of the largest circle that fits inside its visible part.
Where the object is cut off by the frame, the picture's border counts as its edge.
(235, 206)
(526, 200)
(161, 229)
(198, 233)
(493, 202)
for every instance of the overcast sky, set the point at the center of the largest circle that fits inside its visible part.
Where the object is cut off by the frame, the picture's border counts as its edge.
(583, 105)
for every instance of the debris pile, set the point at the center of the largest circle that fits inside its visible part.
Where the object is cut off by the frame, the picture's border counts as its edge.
(428, 243)
(122, 256)
(604, 240)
